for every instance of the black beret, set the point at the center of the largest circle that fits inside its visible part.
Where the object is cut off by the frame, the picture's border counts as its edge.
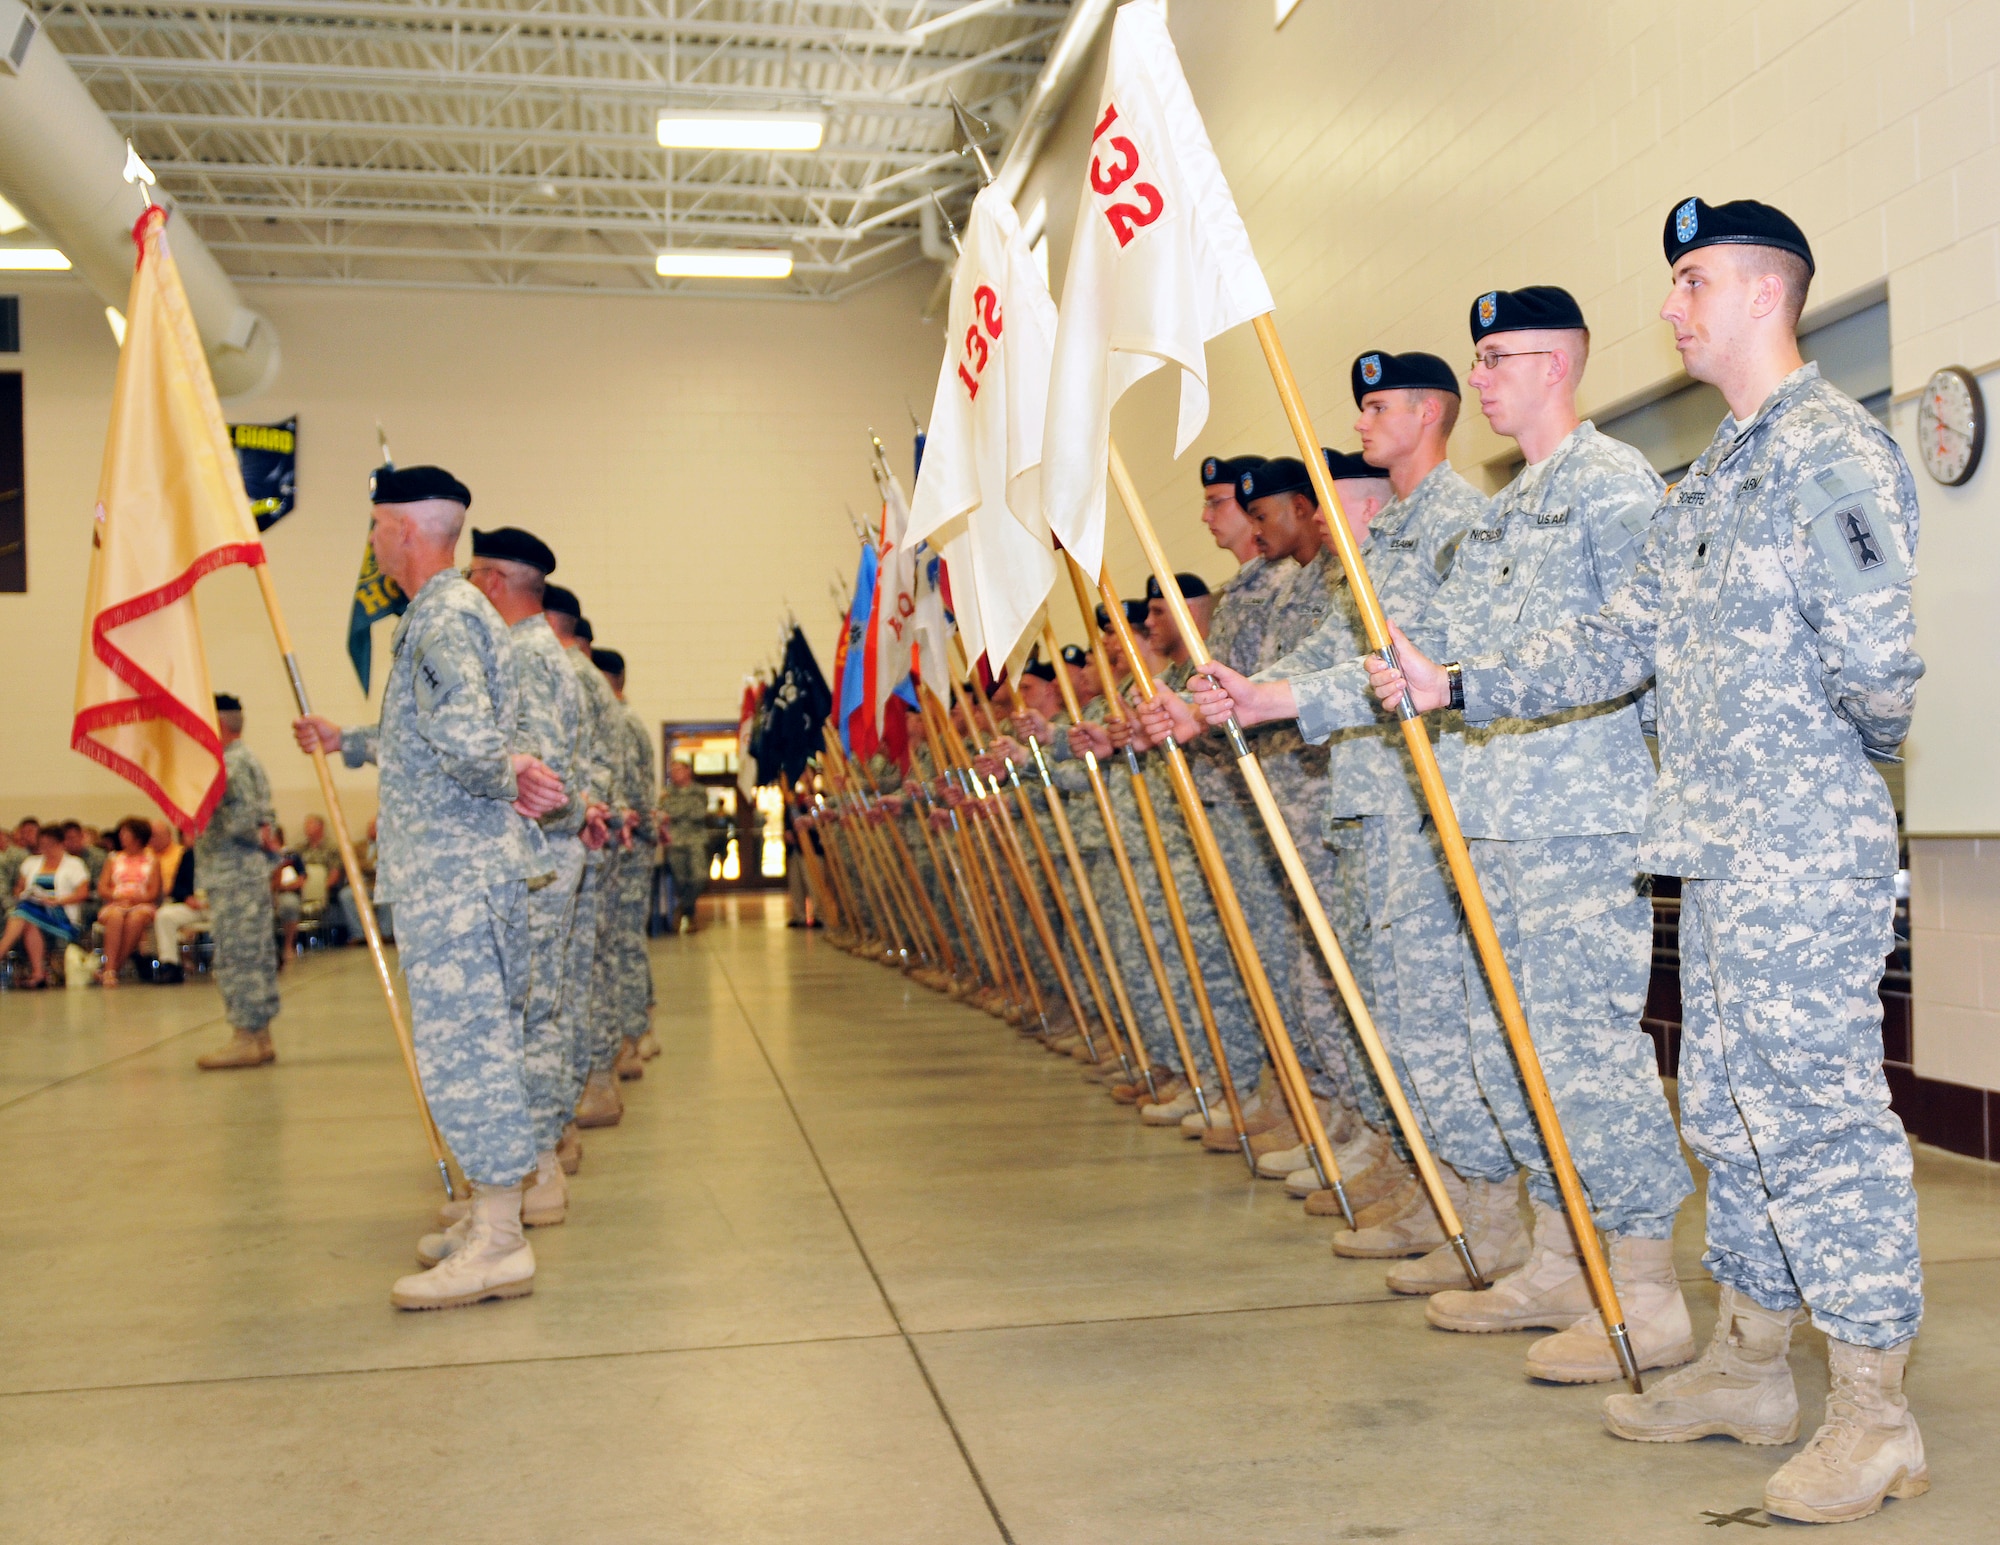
(1380, 371)
(561, 601)
(1519, 311)
(1039, 668)
(609, 661)
(1226, 469)
(510, 544)
(1350, 464)
(585, 631)
(408, 485)
(1135, 616)
(1286, 475)
(1191, 584)
(1744, 222)
(226, 703)
(1075, 654)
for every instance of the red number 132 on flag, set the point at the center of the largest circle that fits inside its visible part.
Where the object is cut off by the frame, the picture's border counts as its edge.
(985, 325)
(1107, 179)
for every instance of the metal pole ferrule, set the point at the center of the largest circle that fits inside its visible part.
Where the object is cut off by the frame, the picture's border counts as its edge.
(1621, 1343)
(1463, 1251)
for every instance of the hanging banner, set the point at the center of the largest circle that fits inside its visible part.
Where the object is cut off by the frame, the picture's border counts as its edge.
(269, 457)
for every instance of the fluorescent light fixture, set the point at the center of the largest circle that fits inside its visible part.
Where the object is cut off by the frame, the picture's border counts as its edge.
(117, 320)
(11, 219)
(714, 130)
(724, 263)
(27, 259)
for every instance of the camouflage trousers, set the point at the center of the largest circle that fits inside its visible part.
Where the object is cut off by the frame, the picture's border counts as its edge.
(687, 861)
(1265, 895)
(575, 1008)
(632, 983)
(548, 1050)
(1810, 1196)
(603, 1031)
(1229, 1001)
(1577, 931)
(243, 925)
(1345, 893)
(466, 956)
(1147, 999)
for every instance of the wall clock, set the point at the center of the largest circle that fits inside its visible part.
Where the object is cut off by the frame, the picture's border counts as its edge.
(1951, 425)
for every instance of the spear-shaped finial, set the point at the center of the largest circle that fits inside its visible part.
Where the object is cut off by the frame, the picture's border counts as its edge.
(382, 441)
(971, 145)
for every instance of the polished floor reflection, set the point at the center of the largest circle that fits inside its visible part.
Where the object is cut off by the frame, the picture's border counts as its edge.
(859, 1264)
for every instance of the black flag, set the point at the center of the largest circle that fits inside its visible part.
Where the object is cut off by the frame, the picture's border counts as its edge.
(792, 712)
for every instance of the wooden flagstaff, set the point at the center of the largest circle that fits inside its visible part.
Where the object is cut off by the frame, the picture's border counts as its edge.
(921, 807)
(889, 919)
(1052, 946)
(1008, 845)
(960, 861)
(1478, 917)
(1067, 840)
(897, 853)
(804, 825)
(826, 819)
(1134, 898)
(1142, 796)
(865, 931)
(351, 867)
(947, 957)
(1295, 871)
(881, 841)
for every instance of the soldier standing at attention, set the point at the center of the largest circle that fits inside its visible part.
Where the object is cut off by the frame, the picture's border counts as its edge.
(685, 805)
(457, 806)
(230, 858)
(630, 991)
(1552, 806)
(1772, 610)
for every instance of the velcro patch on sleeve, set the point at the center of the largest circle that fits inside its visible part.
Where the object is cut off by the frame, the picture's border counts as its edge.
(436, 679)
(1856, 537)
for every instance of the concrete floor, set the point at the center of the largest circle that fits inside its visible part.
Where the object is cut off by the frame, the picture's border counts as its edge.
(859, 1265)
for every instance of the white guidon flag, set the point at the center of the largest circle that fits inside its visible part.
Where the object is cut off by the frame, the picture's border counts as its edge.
(895, 598)
(983, 446)
(1160, 264)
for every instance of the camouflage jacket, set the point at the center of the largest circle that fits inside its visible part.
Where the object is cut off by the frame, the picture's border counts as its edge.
(1236, 638)
(1771, 606)
(1296, 770)
(684, 812)
(637, 776)
(1554, 544)
(445, 746)
(1409, 550)
(598, 760)
(551, 725)
(231, 833)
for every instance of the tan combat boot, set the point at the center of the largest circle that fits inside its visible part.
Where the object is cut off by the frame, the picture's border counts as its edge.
(1284, 1163)
(1656, 1320)
(1866, 1449)
(1170, 1113)
(630, 1064)
(1549, 1292)
(1741, 1388)
(1367, 1165)
(492, 1260)
(245, 1049)
(1411, 1228)
(433, 1248)
(545, 1201)
(1494, 1233)
(569, 1151)
(600, 1105)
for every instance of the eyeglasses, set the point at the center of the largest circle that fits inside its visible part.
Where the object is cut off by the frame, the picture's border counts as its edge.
(1491, 358)
(1216, 504)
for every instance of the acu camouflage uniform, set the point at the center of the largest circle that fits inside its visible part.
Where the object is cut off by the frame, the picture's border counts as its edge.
(551, 727)
(1771, 607)
(1394, 895)
(686, 813)
(235, 872)
(1551, 810)
(455, 860)
(584, 982)
(623, 983)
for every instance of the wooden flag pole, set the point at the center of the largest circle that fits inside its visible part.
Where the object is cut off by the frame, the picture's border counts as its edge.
(1236, 928)
(1008, 844)
(909, 926)
(825, 820)
(1302, 886)
(889, 923)
(962, 965)
(1066, 839)
(1478, 917)
(351, 866)
(1163, 867)
(984, 928)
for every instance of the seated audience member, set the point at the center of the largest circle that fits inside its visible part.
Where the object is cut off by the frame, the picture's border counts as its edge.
(167, 851)
(350, 909)
(321, 849)
(14, 850)
(80, 841)
(182, 909)
(50, 891)
(129, 894)
(288, 883)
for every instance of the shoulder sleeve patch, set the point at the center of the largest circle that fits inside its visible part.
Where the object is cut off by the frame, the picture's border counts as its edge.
(1854, 534)
(436, 675)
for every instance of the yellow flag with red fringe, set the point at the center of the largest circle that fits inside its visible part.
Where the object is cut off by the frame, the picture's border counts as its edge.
(171, 508)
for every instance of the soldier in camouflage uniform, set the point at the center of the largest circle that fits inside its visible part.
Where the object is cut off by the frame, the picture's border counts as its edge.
(625, 973)
(684, 806)
(1771, 608)
(231, 861)
(1552, 808)
(510, 568)
(458, 848)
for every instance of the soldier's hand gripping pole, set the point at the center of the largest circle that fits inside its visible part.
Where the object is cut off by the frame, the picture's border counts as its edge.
(958, 854)
(1066, 838)
(1308, 897)
(1142, 796)
(1236, 929)
(350, 866)
(1478, 918)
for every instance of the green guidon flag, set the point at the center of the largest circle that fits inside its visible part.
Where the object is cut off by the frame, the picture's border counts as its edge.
(375, 596)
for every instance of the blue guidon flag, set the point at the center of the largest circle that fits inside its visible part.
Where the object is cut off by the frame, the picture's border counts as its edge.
(1685, 222)
(1371, 369)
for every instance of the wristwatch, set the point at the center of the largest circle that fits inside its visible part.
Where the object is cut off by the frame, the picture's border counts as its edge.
(1454, 675)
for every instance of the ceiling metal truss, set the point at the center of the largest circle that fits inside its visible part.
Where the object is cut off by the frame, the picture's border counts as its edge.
(511, 143)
